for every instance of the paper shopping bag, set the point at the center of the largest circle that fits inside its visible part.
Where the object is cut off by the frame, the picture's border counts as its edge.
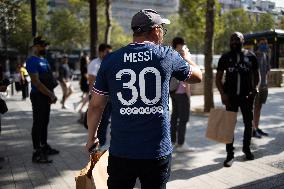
(85, 179)
(221, 125)
(100, 172)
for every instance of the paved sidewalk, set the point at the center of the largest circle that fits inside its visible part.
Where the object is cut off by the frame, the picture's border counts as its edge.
(200, 169)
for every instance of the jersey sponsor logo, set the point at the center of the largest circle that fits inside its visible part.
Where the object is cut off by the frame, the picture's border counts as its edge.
(144, 56)
(42, 63)
(141, 110)
(140, 92)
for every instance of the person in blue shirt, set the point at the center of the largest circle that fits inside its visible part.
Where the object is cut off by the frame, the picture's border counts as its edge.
(136, 79)
(42, 96)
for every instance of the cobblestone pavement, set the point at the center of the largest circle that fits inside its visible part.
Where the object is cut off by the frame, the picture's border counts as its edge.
(200, 169)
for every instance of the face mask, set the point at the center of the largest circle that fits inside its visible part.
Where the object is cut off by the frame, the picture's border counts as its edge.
(263, 48)
(42, 52)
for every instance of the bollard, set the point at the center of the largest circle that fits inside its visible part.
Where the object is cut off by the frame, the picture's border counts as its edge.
(12, 88)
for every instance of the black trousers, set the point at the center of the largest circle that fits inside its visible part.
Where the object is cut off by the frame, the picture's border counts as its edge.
(25, 90)
(179, 117)
(152, 173)
(246, 106)
(41, 112)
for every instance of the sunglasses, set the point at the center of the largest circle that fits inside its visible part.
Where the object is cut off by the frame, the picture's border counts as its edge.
(163, 28)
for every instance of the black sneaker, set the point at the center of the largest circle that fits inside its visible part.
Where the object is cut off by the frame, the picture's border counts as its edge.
(50, 151)
(248, 154)
(40, 157)
(229, 160)
(255, 134)
(260, 132)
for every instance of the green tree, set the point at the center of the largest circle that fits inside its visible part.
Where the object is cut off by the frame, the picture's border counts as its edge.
(21, 37)
(8, 15)
(108, 15)
(265, 22)
(208, 52)
(192, 16)
(231, 21)
(67, 31)
(281, 23)
(118, 37)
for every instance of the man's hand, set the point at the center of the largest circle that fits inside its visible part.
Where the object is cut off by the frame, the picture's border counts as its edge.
(225, 99)
(53, 98)
(91, 143)
(184, 52)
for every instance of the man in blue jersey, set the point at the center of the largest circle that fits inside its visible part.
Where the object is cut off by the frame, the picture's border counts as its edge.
(136, 79)
(42, 96)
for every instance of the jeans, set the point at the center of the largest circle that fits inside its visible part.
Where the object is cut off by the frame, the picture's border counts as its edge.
(153, 173)
(246, 106)
(41, 112)
(102, 130)
(179, 117)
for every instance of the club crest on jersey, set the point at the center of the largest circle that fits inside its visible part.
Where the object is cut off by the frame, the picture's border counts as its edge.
(143, 56)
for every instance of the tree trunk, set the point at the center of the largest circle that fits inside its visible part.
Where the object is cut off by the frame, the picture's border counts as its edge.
(208, 51)
(93, 28)
(108, 22)
(33, 13)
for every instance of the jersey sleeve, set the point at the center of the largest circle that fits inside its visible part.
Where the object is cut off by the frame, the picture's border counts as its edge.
(31, 66)
(101, 86)
(181, 69)
(221, 63)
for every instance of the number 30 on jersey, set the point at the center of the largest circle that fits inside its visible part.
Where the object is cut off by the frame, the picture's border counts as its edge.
(142, 86)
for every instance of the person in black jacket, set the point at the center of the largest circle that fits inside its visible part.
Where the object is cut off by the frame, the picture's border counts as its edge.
(239, 88)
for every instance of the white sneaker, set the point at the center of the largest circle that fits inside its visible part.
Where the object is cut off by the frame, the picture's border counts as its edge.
(184, 148)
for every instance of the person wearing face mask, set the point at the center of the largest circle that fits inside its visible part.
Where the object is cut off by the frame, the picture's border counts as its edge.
(238, 89)
(42, 96)
(263, 57)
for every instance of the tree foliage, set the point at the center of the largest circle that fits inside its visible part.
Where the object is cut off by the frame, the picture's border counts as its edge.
(266, 22)
(65, 28)
(67, 31)
(192, 20)
(21, 36)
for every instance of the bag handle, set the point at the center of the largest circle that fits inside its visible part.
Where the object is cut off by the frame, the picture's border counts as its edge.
(94, 158)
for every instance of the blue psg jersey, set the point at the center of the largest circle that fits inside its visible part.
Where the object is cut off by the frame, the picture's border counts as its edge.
(136, 79)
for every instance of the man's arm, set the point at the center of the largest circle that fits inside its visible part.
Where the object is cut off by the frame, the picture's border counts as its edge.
(256, 78)
(41, 87)
(91, 80)
(220, 86)
(196, 75)
(95, 111)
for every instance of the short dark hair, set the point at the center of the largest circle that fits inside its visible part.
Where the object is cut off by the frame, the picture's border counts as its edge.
(177, 41)
(104, 46)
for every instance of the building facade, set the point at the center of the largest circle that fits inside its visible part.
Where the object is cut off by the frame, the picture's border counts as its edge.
(123, 10)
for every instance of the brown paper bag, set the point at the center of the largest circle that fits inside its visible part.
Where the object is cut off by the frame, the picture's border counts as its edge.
(100, 172)
(85, 179)
(221, 125)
